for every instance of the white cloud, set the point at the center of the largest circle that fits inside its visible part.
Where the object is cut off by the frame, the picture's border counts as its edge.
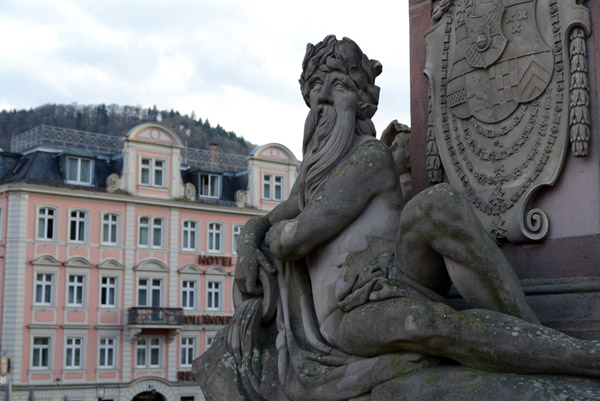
(233, 62)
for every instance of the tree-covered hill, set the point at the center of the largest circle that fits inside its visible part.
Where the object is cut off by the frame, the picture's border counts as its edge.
(118, 120)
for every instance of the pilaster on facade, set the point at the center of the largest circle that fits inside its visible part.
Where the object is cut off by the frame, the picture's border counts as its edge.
(130, 247)
(174, 258)
(14, 282)
(172, 361)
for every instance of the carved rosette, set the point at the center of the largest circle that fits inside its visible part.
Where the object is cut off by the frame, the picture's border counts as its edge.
(113, 182)
(508, 88)
(190, 191)
(241, 198)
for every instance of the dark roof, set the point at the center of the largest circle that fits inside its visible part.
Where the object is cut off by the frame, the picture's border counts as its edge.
(35, 167)
(42, 167)
(8, 161)
(45, 168)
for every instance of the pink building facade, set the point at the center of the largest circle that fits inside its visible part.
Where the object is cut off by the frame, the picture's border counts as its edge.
(117, 266)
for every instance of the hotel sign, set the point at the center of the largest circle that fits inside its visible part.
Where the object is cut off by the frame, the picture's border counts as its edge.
(215, 260)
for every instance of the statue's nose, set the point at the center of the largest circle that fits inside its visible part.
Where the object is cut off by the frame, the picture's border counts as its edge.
(325, 94)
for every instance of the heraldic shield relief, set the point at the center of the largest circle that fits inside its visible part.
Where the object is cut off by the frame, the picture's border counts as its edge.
(508, 88)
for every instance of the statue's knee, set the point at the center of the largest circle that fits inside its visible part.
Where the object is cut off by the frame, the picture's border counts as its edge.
(433, 206)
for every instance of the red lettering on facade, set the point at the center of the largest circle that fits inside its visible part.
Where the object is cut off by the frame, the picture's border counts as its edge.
(207, 319)
(185, 376)
(215, 260)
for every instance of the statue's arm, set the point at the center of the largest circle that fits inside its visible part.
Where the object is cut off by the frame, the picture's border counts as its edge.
(341, 199)
(250, 258)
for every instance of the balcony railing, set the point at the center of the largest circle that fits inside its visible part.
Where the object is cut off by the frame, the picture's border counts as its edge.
(156, 316)
(68, 139)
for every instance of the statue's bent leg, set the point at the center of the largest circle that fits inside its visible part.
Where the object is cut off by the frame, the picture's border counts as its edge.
(439, 223)
(475, 338)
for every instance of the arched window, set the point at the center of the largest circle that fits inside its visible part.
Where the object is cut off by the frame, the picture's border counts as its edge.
(190, 235)
(46, 223)
(151, 232)
(237, 229)
(110, 229)
(215, 237)
(78, 226)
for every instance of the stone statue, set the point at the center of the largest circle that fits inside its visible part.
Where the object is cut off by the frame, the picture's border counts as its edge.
(342, 288)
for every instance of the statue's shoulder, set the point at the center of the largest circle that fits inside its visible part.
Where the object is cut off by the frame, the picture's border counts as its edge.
(373, 150)
(371, 161)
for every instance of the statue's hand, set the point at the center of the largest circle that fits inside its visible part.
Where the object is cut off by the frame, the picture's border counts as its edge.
(280, 239)
(250, 259)
(246, 271)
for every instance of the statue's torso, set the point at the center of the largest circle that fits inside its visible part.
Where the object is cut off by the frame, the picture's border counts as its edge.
(326, 264)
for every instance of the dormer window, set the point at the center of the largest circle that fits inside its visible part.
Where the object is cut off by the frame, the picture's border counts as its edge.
(79, 171)
(152, 172)
(273, 187)
(210, 185)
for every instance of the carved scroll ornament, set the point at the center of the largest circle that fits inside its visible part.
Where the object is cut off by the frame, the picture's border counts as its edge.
(508, 89)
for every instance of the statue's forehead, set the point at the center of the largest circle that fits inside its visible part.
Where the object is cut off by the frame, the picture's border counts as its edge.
(330, 75)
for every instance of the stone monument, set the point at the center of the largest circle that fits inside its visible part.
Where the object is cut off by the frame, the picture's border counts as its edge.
(342, 289)
(508, 89)
(532, 175)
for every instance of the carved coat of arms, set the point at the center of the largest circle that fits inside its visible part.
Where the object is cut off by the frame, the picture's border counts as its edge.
(508, 88)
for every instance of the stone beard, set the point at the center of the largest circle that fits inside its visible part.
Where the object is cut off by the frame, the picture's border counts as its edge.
(328, 136)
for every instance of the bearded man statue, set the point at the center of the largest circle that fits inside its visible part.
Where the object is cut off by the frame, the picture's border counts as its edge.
(341, 289)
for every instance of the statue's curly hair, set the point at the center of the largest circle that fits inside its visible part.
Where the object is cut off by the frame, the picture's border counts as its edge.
(344, 56)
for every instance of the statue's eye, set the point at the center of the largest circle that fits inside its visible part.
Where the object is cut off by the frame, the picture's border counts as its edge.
(316, 85)
(340, 85)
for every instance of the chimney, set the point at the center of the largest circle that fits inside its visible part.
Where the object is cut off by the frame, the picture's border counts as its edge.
(213, 155)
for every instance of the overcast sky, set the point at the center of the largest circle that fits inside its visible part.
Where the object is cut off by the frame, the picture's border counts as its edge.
(233, 62)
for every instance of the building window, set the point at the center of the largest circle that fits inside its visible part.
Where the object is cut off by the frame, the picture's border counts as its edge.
(141, 351)
(149, 292)
(188, 349)
(144, 226)
(108, 292)
(214, 237)
(209, 185)
(151, 232)
(41, 353)
(73, 350)
(190, 230)
(145, 171)
(152, 172)
(79, 171)
(188, 294)
(210, 337)
(110, 227)
(157, 230)
(273, 187)
(236, 235)
(278, 195)
(159, 166)
(148, 352)
(213, 294)
(106, 359)
(43, 288)
(46, 223)
(267, 186)
(77, 226)
(75, 291)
